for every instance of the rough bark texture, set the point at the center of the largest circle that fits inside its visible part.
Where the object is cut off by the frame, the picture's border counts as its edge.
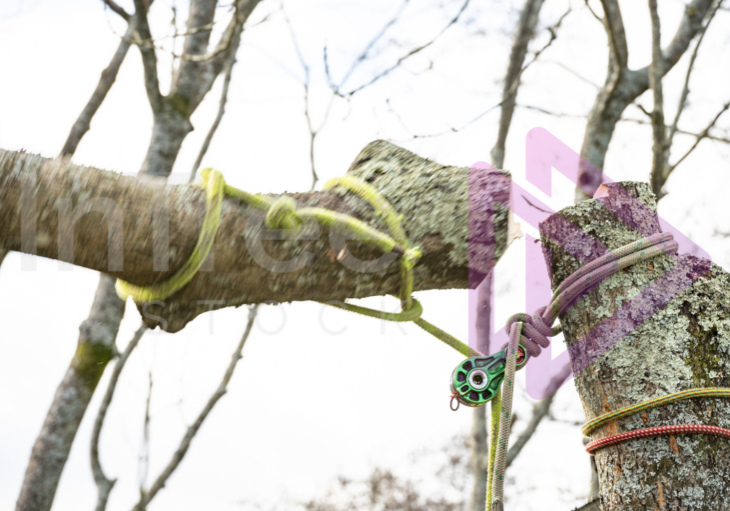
(95, 348)
(433, 198)
(655, 328)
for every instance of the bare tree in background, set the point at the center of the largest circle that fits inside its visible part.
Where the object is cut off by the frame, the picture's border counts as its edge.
(623, 86)
(199, 66)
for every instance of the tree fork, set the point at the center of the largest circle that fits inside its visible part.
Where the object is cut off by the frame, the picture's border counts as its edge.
(655, 328)
(440, 205)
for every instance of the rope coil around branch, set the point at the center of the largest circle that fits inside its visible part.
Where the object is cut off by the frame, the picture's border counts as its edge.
(283, 213)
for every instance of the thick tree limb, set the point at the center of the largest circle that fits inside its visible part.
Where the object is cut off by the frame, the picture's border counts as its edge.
(434, 200)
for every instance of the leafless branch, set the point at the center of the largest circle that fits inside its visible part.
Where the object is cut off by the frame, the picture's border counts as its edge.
(539, 412)
(116, 8)
(595, 15)
(149, 58)
(218, 118)
(708, 136)
(364, 54)
(523, 35)
(702, 135)
(195, 427)
(104, 485)
(721, 234)
(411, 53)
(659, 168)
(550, 112)
(614, 23)
(690, 68)
(144, 455)
(573, 72)
(222, 45)
(623, 86)
(306, 83)
(108, 77)
(536, 207)
(510, 92)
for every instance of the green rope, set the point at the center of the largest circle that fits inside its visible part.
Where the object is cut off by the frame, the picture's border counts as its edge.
(282, 213)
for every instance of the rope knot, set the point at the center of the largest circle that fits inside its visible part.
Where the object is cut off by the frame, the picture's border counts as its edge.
(283, 214)
(410, 256)
(534, 334)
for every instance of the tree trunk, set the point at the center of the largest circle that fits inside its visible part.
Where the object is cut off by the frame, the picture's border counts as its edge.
(95, 349)
(658, 327)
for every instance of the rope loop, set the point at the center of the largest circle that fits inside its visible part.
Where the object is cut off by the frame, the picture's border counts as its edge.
(283, 214)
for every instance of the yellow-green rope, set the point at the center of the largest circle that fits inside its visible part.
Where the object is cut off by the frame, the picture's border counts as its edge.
(494, 423)
(594, 424)
(282, 213)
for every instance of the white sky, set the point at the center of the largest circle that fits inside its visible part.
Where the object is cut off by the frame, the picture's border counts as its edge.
(281, 439)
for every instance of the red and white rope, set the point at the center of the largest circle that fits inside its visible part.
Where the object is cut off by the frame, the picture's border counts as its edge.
(656, 431)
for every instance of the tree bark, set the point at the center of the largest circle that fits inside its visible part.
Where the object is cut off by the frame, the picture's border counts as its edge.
(434, 200)
(657, 327)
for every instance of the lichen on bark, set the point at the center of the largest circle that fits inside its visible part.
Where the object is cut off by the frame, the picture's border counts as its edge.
(657, 327)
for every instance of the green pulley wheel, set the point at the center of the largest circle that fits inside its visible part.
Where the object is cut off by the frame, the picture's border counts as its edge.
(476, 380)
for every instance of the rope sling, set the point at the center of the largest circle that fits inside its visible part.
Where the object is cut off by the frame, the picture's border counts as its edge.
(527, 334)
(282, 213)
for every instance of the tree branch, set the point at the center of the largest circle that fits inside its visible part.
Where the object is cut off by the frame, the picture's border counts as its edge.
(659, 147)
(411, 53)
(690, 67)
(104, 485)
(700, 136)
(248, 268)
(614, 23)
(523, 36)
(182, 449)
(218, 118)
(621, 89)
(143, 39)
(116, 8)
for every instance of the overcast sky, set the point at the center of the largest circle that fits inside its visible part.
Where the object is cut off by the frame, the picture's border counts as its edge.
(307, 405)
